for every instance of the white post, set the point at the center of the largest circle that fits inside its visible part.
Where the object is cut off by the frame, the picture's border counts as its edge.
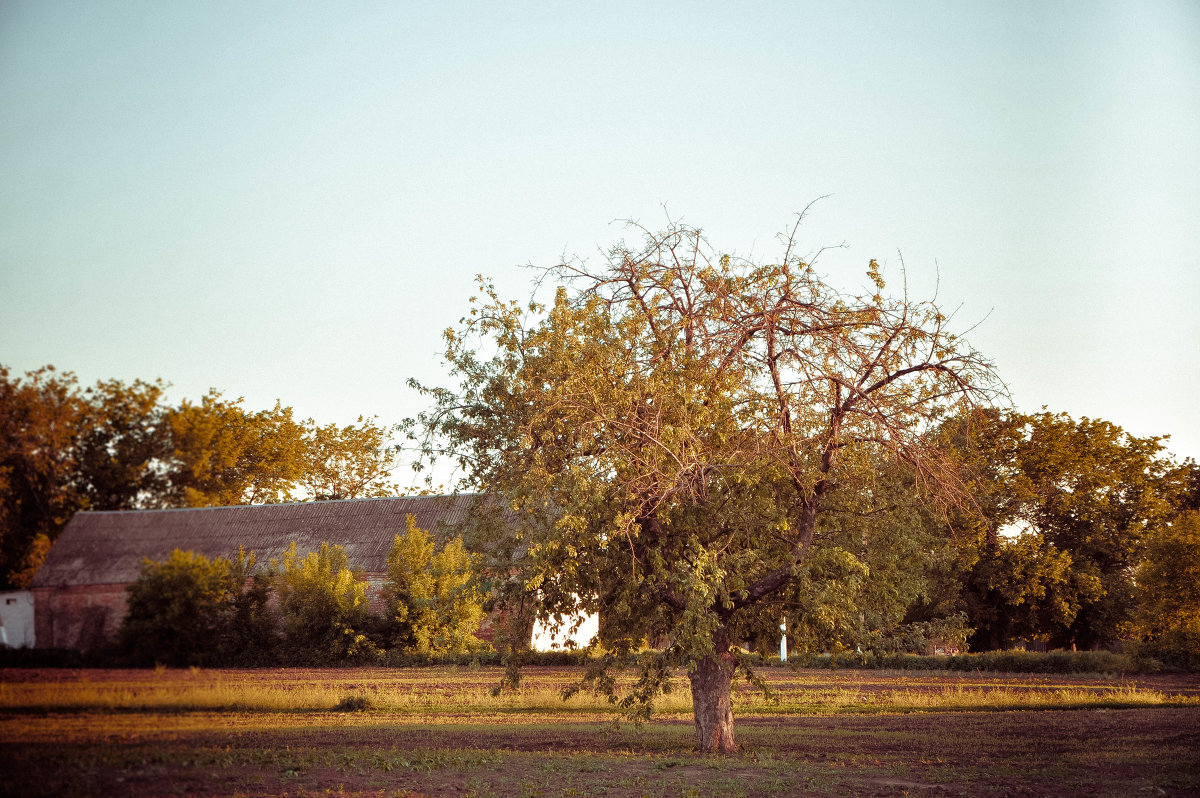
(783, 641)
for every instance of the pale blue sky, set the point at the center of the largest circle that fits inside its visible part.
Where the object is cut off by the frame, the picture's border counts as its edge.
(291, 200)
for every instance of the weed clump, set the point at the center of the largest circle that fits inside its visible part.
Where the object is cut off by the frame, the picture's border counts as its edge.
(352, 703)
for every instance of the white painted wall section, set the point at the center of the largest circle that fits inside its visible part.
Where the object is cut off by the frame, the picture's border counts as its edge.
(16, 619)
(544, 638)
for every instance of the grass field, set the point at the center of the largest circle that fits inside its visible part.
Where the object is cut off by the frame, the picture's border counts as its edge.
(439, 731)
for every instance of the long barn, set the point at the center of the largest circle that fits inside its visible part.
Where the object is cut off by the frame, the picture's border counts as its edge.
(79, 593)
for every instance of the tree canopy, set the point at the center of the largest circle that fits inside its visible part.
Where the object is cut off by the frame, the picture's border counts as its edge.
(677, 432)
(1063, 509)
(63, 449)
(1167, 616)
(225, 455)
(122, 446)
(323, 606)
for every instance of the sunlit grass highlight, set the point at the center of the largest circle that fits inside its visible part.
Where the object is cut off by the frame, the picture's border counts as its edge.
(470, 693)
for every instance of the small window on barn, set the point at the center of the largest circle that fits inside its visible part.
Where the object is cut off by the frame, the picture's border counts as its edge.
(10, 601)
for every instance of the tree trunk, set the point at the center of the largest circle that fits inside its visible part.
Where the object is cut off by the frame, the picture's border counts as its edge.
(711, 679)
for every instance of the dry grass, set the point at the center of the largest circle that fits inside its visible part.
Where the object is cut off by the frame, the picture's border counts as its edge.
(443, 691)
(439, 731)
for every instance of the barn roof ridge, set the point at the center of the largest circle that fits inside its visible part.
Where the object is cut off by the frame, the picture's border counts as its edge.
(309, 502)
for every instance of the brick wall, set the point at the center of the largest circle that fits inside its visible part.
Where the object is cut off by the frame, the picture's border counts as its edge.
(79, 617)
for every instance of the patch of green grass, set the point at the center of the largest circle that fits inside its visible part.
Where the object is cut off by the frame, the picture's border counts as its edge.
(957, 698)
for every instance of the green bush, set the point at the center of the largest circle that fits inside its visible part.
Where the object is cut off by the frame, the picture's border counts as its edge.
(434, 602)
(353, 703)
(323, 608)
(250, 638)
(179, 610)
(1167, 619)
(1176, 649)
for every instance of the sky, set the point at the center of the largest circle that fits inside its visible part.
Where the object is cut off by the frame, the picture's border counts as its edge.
(292, 200)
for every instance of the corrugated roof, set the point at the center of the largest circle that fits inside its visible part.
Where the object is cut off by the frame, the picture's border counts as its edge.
(99, 548)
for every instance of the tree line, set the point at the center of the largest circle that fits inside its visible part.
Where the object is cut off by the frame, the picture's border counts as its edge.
(303, 609)
(121, 446)
(1076, 535)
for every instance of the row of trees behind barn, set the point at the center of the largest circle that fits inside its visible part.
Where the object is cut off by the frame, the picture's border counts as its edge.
(1083, 537)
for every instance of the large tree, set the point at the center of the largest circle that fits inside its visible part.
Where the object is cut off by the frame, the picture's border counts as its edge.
(1063, 508)
(65, 449)
(39, 416)
(225, 454)
(673, 430)
(122, 446)
(1167, 617)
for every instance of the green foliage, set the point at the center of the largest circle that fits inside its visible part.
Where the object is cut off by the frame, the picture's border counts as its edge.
(434, 602)
(1167, 621)
(180, 610)
(1082, 497)
(190, 610)
(880, 577)
(226, 455)
(671, 435)
(828, 594)
(63, 449)
(348, 462)
(118, 446)
(323, 605)
(251, 637)
(1036, 590)
(121, 444)
(353, 703)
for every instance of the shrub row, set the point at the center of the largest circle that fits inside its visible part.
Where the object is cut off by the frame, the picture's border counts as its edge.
(1015, 661)
(113, 657)
(309, 609)
(1060, 662)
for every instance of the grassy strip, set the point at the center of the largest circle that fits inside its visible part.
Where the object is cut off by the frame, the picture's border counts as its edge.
(961, 699)
(1017, 661)
(250, 691)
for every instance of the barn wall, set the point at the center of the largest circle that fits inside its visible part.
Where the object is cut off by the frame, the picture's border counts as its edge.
(81, 617)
